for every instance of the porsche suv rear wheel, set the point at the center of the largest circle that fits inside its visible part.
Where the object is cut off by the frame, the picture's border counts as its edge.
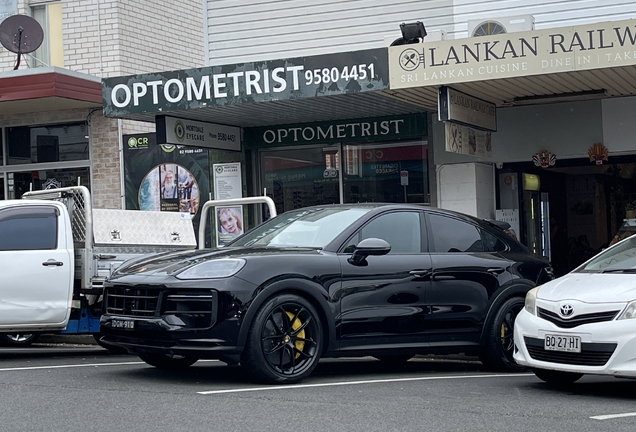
(284, 341)
(497, 352)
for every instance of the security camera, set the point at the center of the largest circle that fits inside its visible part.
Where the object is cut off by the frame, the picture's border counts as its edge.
(499, 165)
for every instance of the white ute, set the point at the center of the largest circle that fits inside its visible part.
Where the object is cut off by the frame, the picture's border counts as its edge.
(56, 251)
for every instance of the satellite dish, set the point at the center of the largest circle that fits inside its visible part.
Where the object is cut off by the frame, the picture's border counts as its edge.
(21, 34)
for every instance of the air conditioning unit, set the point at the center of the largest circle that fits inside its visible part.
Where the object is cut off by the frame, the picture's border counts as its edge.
(485, 27)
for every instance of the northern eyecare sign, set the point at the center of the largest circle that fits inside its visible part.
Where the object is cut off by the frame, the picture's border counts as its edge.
(322, 75)
(509, 55)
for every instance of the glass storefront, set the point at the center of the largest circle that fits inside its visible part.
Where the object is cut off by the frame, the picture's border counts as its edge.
(44, 157)
(342, 173)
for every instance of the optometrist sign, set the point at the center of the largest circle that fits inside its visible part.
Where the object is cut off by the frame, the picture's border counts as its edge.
(177, 131)
(517, 54)
(323, 75)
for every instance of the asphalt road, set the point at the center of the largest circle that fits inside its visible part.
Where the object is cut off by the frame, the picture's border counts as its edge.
(80, 387)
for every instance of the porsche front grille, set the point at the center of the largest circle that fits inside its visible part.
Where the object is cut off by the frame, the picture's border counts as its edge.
(136, 302)
(187, 308)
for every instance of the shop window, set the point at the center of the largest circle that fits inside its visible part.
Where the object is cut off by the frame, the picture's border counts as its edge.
(58, 143)
(391, 172)
(48, 179)
(51, 52)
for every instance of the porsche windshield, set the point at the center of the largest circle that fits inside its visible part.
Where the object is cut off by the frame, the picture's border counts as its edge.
(314, 227)
(620, 258)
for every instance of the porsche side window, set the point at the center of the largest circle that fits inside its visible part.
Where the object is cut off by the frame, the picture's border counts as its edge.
(492, 243)
(402, 230)
(28, 229)
(453, 235)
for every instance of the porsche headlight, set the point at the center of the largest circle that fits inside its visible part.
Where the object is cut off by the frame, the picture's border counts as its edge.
(217, 268)
(531, 301)
(629, 312)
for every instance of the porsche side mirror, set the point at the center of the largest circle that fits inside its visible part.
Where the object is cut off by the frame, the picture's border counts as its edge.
(367, 247)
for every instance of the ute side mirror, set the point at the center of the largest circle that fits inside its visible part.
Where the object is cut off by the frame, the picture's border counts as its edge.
(367, 247)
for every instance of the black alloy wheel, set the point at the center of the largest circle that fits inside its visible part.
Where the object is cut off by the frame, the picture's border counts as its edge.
(164, 361)
(499, 348)
(557, 378)
(18, 339)
(284, 342)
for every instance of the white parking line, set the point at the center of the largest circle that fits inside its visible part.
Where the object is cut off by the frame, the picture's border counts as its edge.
(68, 366)
(82, 365)
(613, 416)
(341, 383)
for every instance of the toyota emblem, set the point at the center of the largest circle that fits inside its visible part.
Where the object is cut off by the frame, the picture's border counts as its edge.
(567, 310)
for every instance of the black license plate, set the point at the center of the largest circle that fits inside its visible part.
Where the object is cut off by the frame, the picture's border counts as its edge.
(122, 324)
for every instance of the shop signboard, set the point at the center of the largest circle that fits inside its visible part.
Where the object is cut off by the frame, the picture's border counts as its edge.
(465, 140)
(165, 177)
(408, 126)
(179, 131)
(465, 109)
(516, 54)
(293, 78)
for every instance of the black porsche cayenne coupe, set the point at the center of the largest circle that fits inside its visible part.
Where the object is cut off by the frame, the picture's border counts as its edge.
(383, 280)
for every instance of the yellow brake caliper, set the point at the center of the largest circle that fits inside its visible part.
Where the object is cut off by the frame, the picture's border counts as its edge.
(295, 325)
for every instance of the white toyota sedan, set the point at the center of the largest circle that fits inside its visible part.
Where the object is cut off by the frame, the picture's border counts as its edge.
(583, 322)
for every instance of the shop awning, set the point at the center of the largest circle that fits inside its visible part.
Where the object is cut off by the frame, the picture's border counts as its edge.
(522, 68)
(47, 89)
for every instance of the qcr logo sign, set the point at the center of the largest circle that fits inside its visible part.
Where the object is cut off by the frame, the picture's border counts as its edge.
(138, 142)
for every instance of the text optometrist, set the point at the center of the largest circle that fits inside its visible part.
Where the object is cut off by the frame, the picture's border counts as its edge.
(209, 86)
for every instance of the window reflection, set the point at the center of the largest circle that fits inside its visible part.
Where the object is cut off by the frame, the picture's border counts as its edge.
(41, 144)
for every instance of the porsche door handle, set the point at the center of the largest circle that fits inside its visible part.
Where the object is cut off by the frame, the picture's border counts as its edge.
(496, 270)
(420, 273)
(53, 263)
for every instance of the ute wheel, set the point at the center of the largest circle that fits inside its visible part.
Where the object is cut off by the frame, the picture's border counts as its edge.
(164, 361)
(18, 339)
(499, 347)
(394, 359)
(284, 341)
(557, 377)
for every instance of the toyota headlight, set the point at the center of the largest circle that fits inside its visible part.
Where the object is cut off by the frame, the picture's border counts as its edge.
(629, 312)
(531, 301)
(217, 268)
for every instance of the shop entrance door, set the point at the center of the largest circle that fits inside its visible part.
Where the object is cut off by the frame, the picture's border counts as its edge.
(536, 213)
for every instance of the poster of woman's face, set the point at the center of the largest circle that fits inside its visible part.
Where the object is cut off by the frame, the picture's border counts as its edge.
(229, 224)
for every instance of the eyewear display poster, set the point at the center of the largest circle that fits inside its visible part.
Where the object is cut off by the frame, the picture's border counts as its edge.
(162, 177)
(229, 223)
(227, 181)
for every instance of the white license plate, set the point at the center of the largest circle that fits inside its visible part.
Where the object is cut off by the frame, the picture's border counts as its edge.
(122, 324)
(564, 343)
